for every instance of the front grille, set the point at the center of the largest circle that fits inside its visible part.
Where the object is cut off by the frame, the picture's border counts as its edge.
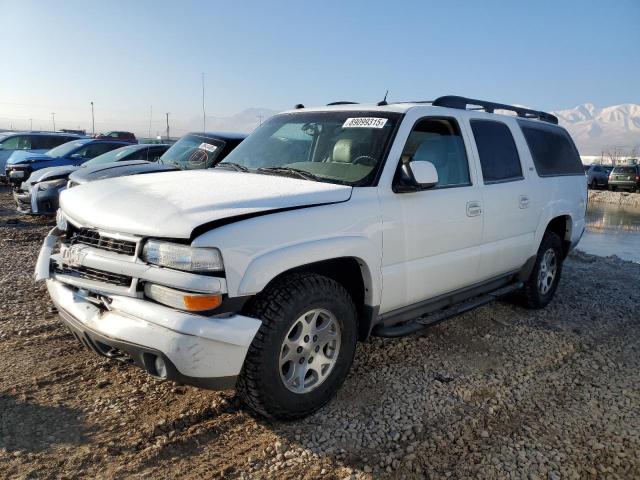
(87, 236)
(93, 274)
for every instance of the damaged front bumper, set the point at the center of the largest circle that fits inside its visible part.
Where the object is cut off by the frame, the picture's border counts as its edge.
(31, 200)
(119, 323)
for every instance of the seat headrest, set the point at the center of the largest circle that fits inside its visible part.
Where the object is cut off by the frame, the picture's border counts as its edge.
(342, 150)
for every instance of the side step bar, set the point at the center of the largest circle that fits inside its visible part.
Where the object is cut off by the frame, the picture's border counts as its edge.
(438, 316)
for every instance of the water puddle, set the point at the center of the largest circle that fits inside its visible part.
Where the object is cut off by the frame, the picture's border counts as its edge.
(612, 230)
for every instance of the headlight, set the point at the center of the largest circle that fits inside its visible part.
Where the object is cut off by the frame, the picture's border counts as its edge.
(182, 257)
(61, 221)
(52, 184)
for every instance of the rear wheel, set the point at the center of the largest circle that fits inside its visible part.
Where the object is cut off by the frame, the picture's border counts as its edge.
(594, 184)
(303, 349)
(541, 286)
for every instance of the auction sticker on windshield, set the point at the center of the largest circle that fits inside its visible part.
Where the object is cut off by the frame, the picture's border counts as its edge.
(364, 122)
(207, 147)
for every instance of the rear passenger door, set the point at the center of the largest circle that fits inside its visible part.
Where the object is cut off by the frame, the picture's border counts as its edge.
(510, 216)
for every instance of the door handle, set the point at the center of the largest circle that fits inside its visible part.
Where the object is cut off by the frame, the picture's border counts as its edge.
(524, 201)
(474, 209)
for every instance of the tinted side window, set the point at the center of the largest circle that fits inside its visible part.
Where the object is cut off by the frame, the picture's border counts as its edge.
(438, 140)
(499, 157)
(552, 150)
(19, 142)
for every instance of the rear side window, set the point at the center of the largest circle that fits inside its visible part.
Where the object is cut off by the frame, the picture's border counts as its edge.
(499, 157)
(552, 150)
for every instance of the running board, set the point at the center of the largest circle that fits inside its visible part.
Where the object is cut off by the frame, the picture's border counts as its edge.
(433, 318)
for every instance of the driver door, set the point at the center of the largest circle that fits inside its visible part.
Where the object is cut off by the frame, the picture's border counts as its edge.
(432, 237)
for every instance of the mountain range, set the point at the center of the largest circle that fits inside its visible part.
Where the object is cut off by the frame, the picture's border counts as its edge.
(593, 129)
(596, 129)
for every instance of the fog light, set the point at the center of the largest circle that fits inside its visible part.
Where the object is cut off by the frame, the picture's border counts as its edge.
(192, 302)
(161, 367)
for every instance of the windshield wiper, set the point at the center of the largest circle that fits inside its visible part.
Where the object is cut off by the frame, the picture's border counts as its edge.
(291, 171)
(235, 166)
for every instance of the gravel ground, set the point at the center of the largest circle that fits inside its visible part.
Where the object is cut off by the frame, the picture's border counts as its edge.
(500, 392)
(616, 198)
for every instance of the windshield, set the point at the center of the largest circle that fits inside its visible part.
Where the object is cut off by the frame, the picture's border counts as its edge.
(65, 148)
(113, 156)
(193, 151)
(338, 147)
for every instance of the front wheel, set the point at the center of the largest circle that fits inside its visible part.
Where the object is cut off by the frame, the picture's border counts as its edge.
(541, 286)
(303, 349)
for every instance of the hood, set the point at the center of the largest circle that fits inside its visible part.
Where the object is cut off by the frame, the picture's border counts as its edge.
(119, 169)
(50, 173)
(23, 156)
(173, 204)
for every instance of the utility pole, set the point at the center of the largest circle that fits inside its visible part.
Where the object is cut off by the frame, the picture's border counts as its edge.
(204, 115)
(31, 124)
(150, 117)
(53, 118)
(168, 125)
(93, 122)
(260, 118)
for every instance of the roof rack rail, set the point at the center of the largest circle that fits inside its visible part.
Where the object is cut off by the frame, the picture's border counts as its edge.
(341, 103)
(453, 101)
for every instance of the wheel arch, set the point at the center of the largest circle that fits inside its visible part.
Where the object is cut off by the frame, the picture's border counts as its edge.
(355, 270)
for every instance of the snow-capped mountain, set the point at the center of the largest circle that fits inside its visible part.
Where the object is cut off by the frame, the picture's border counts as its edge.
(595, 129)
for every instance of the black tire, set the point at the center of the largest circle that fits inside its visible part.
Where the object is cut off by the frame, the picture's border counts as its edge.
(613, 188)
(260, 386)
(531, 295)
(594, 185)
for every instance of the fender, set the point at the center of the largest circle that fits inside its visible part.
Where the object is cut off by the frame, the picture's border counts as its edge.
(266, 267)
(552, 210)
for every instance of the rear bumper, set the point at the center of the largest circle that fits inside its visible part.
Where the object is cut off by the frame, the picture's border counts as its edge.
(624, 183)
(202, 351)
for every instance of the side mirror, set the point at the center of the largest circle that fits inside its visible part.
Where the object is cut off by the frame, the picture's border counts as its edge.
(424, 174)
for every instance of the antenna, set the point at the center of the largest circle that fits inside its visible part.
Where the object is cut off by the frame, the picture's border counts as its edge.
(384, 100)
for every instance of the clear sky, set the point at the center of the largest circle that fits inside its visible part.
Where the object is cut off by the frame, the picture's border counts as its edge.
(129, 55)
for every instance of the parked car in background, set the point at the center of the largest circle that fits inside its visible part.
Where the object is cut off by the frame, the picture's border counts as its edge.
(32, 142)
(39, 193)
(625, 177)
(21, 165)
(323, 227)
(597, 176)
(115, 135)
(194, 150)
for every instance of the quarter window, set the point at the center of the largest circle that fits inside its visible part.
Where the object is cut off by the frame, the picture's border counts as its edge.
(499, 157)
(552, 150)
(438, 140)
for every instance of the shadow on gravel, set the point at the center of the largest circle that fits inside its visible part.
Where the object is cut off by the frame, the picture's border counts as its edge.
(32, 427)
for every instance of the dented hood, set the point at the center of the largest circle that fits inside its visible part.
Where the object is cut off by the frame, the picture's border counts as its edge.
(50, 173)
(173, 204)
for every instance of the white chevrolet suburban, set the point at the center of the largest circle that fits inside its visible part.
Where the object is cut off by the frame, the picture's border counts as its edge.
(323, 227)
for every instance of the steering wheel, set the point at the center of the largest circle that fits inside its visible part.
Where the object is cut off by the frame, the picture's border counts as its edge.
(367, 160)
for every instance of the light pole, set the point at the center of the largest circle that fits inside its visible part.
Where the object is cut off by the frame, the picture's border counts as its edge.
(204, 115)
(150, 117)
(31, 124)
(168, 125)
(53, 118)
(93, 122)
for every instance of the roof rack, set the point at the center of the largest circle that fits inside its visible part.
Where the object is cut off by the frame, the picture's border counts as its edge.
(453, 101)
(341, 103)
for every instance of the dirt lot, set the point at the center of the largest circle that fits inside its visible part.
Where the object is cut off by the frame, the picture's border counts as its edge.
(499, 392)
